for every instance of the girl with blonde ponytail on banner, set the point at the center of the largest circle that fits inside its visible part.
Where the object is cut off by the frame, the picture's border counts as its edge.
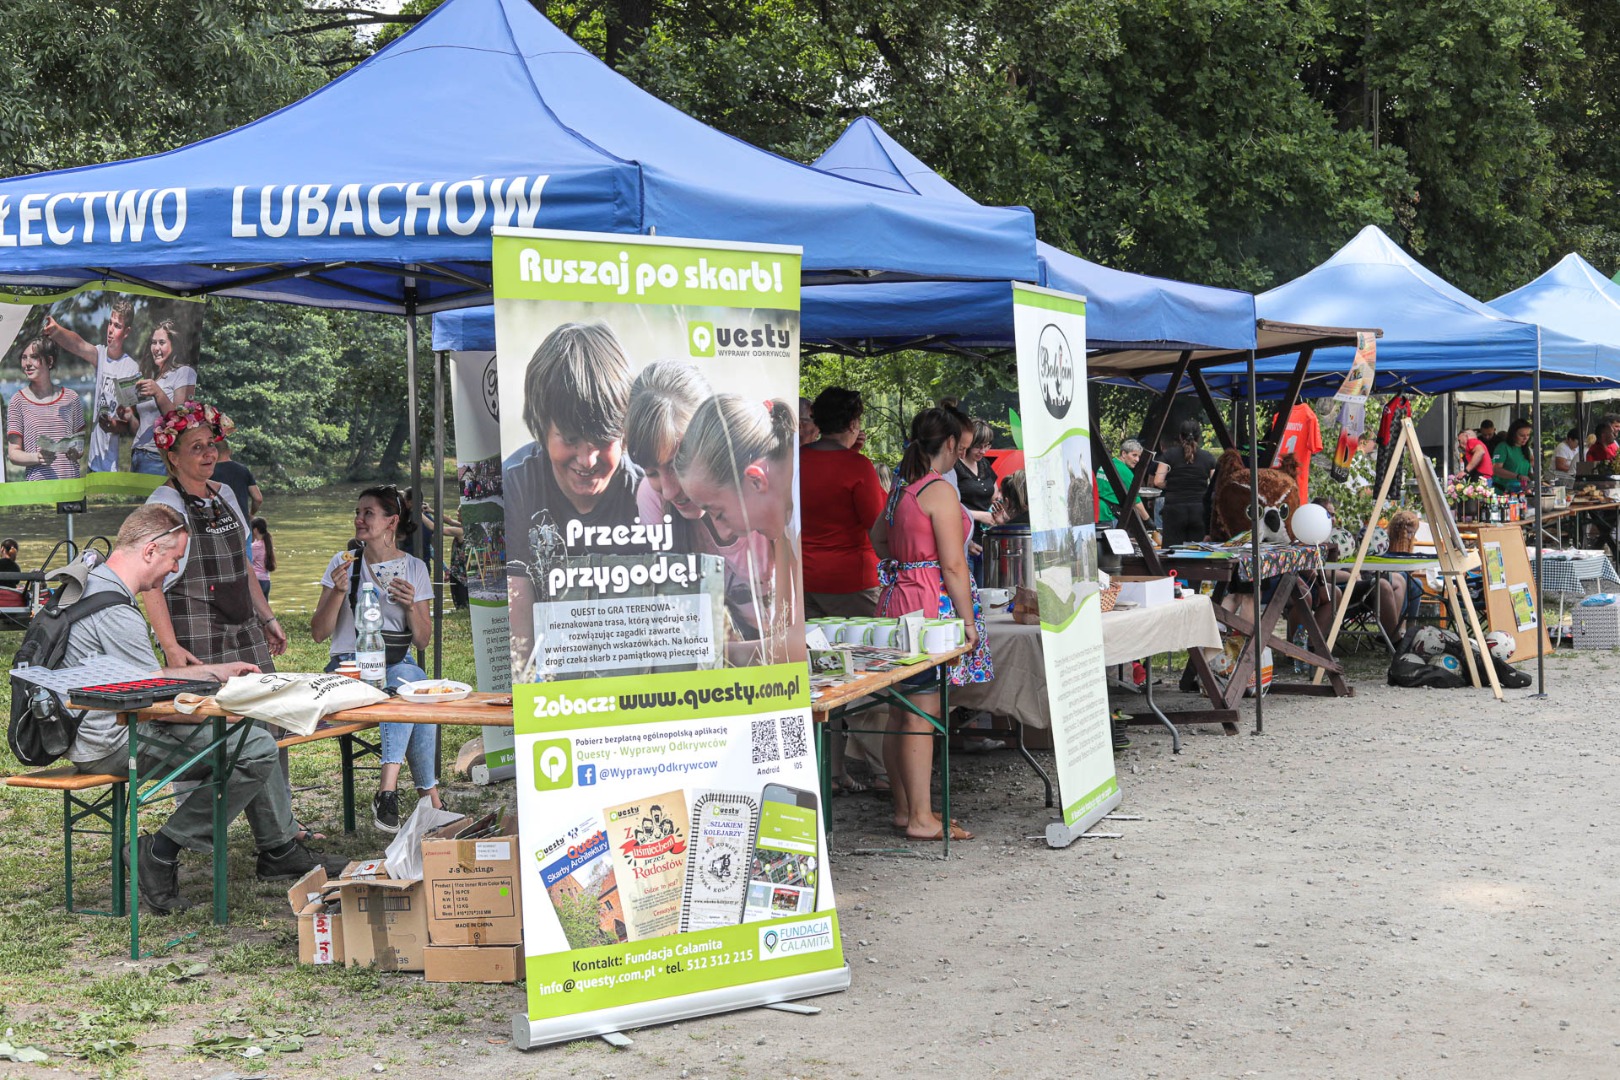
(737, 462)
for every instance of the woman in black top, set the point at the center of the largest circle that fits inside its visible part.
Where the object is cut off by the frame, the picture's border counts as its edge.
(976, 483)
(1186, 519)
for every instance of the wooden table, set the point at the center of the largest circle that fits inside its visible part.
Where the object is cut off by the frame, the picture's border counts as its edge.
(850, 697)
(1291, 596)
(473, 711)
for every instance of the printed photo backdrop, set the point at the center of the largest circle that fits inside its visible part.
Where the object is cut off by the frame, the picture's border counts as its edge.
(84, 378)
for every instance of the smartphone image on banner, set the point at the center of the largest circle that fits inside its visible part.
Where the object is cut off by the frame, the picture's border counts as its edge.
(786, 855)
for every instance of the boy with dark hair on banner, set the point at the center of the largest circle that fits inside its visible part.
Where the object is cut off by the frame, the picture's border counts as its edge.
(113, 363)
(576, 393)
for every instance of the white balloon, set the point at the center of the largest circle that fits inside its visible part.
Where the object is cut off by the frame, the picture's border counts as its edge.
(1311, 524)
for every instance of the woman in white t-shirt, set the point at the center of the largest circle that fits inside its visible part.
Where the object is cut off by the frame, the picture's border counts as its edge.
(165, 384)
(404, 588)
(1567, 453)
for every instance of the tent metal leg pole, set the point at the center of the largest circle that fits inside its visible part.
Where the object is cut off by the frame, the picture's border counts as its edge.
(416, 462)
(439, 519)
(1448, 436)
(1541, 524)
(1254, 545)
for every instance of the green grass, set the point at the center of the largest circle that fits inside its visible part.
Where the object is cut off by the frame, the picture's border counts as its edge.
(66, 984)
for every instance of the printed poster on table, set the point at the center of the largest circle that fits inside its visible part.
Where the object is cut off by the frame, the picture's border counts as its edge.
(84, 377)
(1050, 334)
(668, 792)
(479, 556)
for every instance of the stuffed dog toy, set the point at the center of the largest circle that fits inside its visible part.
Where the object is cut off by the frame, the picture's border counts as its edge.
(1279, 490)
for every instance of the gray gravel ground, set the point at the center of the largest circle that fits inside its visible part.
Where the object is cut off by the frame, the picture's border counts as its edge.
(1406, 883)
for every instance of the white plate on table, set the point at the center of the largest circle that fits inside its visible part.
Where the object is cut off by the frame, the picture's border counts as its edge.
(432, 691)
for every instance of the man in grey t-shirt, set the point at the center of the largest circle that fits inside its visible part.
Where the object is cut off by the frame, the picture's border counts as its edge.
(150, 545)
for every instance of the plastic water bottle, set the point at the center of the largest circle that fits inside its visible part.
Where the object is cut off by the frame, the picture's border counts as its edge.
(369, 651)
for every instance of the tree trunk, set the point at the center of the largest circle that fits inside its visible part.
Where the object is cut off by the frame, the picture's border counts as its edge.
(627, 24)
(388, 468)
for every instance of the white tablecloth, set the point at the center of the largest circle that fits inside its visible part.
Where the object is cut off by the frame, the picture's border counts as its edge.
(1019, 688)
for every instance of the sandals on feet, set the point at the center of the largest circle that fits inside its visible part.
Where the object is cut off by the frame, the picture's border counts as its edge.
(957, 833)
(848, 785)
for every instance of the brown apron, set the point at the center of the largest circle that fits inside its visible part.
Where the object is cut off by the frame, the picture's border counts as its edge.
(209, 604)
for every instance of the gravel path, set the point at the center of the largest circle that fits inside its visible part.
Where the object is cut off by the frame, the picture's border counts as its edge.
(1406, 883)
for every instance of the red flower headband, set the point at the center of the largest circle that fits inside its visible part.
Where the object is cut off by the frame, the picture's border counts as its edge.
(189, 415)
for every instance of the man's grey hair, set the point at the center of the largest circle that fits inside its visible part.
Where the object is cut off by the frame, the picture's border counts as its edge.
(1130, 446)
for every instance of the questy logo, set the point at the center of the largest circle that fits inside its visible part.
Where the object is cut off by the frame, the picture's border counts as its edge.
(700, 339)
(1056, 366)
(553, 765)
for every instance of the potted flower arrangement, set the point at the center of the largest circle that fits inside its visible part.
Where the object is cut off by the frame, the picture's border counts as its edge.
(1467, 493)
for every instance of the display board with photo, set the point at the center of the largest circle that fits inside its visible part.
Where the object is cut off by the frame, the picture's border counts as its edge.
(651, 521)
(85, 378)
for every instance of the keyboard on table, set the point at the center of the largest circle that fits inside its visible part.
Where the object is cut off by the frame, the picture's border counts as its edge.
(140, 693)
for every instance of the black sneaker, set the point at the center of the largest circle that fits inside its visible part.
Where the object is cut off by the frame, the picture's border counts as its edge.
(159, 880)
(296, 861)
(385, 811)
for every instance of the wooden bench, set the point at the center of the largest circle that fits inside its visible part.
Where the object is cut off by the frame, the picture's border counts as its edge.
(107, 806)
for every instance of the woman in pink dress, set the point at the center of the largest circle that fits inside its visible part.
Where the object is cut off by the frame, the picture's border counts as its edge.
(921, 541)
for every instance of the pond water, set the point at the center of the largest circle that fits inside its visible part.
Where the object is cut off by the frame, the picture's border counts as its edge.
(308, 527)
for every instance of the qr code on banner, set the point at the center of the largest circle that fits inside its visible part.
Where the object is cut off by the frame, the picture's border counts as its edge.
(764, 736)
(793, 742)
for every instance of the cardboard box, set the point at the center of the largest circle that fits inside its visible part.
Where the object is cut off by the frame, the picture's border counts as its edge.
(320, 919)
(384, 922)
(473, 887)
(1145, 591)
(474, 963)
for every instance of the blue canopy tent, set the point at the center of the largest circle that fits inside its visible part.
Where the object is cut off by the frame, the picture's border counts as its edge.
(1123, 310)
(1573, 298)
(1437, 339)
(377, 192)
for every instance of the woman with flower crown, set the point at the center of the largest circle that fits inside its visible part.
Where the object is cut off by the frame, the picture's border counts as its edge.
(211, 606)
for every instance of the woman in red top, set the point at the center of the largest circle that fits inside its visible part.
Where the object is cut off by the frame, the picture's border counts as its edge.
(839, 486)
(1603, 447)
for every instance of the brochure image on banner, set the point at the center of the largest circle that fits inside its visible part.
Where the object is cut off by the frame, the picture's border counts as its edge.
(1050, 335)
(649, 452)
(84, 378)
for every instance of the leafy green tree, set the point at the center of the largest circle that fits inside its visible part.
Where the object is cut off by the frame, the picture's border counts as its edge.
(273, 368)
(1467, 92)
(83, 81)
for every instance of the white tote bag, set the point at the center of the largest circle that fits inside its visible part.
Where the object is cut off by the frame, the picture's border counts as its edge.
(293, 702)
